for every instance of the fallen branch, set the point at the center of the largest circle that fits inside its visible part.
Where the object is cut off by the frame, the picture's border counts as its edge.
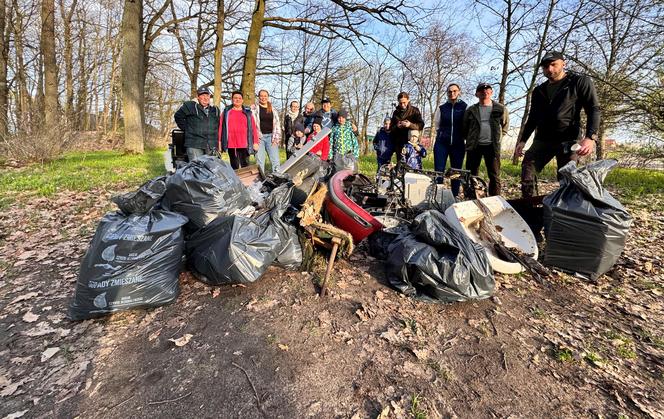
(488, 232)
(169, 400)
(258, 400)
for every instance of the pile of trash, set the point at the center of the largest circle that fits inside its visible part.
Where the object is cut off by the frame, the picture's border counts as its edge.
(203, 216)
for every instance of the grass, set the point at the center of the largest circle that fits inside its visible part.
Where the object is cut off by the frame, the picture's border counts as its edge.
(416, 409)
(80, 172)
(563, 354)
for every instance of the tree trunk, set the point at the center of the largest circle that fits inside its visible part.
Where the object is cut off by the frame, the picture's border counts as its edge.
(506, 52)
(68, 59)
(50, 64)
(4, 59)
(24, 100)
(218, 51)
(599, 149)
(533, 78)
(248, 85)
(82, 94)
(132, 76)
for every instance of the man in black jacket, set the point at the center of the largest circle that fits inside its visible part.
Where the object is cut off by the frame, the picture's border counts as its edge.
(200, 122)
(405, 117)
(555, 117)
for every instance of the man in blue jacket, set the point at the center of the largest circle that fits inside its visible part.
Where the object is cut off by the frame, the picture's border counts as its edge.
(200, 122)
(448, 121)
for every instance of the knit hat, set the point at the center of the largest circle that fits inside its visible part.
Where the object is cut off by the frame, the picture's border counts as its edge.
(318, 120)
(298, 127)
(413, 133)
(343, 113)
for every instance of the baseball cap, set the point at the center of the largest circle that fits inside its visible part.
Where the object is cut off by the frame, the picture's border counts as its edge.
(482, 86)
(202, 90)
(552, 56)
(325, 100)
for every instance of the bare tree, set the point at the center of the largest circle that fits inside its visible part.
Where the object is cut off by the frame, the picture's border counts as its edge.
(218, 50)
(4, 61)
(132, 76)
(50, 65)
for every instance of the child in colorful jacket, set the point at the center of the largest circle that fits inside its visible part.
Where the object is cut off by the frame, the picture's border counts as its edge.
(342, 138)
(412, 153)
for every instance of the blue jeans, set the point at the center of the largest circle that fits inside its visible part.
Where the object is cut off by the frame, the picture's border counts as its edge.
(441, 152)
(265, 146)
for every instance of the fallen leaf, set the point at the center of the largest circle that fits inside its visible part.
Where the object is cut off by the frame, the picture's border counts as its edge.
(30, 317)
(182, 340)
(11, 389)
(154, 335)
(41, 329)
(237, 353)
(16, 415)
(283, 347)
(24, 297)
(48, 353)
(215, 293)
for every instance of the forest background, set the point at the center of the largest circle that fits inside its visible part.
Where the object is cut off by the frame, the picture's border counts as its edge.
(117, 71)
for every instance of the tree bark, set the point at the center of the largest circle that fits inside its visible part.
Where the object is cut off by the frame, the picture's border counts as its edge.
(218, 51)
(24, 100)
(248, 85)
(50, 64)
(533, 78)
(79, 113)
(506, 52)
(68, 58)
(132, 76)
(4, 59)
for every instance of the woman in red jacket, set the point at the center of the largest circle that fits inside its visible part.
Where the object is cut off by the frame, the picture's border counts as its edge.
(238, 133)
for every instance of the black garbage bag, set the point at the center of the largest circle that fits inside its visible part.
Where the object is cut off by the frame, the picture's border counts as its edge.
(133, 262)
(204, 190)
(236, 249)
(144, 199)
(346, 161)
(435, 262)
(585, 226)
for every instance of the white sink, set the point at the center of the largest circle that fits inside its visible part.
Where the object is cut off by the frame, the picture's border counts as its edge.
(512, 228)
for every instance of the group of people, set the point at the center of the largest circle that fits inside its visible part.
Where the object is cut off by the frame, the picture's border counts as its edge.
(475, 132)
(241, 130)
(472, 132)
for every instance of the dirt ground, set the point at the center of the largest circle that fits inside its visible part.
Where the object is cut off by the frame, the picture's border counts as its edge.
(275, 349)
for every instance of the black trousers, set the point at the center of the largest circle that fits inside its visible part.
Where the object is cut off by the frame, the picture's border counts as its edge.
(491, 161)
(239, 157)
(539, 155)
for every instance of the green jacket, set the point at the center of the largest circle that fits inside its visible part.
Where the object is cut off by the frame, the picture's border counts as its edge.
(500, 122)
(200, 130)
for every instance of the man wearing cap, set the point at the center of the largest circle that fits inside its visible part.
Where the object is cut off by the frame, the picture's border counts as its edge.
(326, 113)
(405, 117)
(555, 117)
(200, 122)
(484, 125)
